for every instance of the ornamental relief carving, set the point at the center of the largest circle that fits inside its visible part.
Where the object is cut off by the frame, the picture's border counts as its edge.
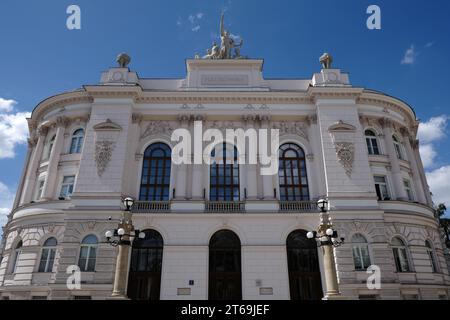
(106, 135)
(291, 127)
(345, 152)
(103, 152)
(156, 128)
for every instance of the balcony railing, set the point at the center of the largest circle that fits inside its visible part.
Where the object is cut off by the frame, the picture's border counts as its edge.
(151, 206)
(298, 206)
(224, 206)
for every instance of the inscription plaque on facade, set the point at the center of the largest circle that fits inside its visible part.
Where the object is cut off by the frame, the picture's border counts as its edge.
(224, 80)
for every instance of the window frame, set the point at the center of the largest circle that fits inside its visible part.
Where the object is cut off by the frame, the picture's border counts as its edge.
(359, 246)
(39, 189)
(286, 181)
(396, 250)
(398, 148)
(70, 186)
(50, 249)
(432, 256)
(88, 247)
(50, 145)
(370, 141)
(77, 141)
(224, 173)
(16, 255)
(408, 189)
(159, 189)
(379, 191)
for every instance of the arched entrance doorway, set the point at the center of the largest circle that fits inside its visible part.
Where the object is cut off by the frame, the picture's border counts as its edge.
(303, 264)
(225, 266)
(144, 280)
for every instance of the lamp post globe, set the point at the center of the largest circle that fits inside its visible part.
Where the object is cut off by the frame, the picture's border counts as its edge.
(128, 203)
(108, 234)
(322, 204)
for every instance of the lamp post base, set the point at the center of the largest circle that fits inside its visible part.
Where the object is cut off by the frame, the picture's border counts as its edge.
(118, 297)
(336, 296)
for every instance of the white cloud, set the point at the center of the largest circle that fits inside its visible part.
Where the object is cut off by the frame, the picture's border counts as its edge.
(7, 105)
(428, 154)
(439, 182)
(194, 20)
(430, 132)
(410, 56)
(13, 131)
(6, 202)
(429, 44)
(433, 129)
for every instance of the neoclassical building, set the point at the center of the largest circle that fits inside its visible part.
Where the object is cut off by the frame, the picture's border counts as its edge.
(222, 231)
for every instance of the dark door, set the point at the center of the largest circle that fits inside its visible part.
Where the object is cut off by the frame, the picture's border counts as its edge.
(144, 281)
(225, 266)
(303, 263)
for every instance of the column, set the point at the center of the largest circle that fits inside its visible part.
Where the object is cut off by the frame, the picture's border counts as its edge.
(197, 168)
(20, 190)
(251, 169)
(418, 187)
(418, 159)
(52, 170)
(397, 178)
(33, 165)
(267, 180)
(181, 171)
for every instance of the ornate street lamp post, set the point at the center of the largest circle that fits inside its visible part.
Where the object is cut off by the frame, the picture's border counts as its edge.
(124, 237)
(327, 238)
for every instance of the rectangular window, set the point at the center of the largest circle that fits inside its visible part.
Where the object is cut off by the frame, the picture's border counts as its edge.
(67, 186)
(381, 188)
(408, 189)
(39, 298)
(39, 190)
(15, 261)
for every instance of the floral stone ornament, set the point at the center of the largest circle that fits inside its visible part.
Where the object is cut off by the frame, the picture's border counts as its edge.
(103, 152)
(345, 152)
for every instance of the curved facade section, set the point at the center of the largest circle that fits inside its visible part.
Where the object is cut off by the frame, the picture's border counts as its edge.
(90, 148)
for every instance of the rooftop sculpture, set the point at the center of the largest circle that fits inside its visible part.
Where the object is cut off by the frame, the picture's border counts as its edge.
(228, 49)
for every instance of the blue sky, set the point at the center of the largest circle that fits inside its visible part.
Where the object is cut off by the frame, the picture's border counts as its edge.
(40, 57)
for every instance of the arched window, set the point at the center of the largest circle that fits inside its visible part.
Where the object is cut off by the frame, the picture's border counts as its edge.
(360, 248)
(292, 175)
(432, 256)
(50, 146)
(400, 255)
(372, 142)
(48, 255)
(16, 255)
(398, 148)
(224, 174)
(88, 253)
(155, 181)
(77, 141)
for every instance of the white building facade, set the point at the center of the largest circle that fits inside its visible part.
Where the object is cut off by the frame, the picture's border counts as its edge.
(223, 231)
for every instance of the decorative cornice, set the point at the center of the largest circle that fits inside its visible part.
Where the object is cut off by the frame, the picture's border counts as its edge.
(188, 98)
